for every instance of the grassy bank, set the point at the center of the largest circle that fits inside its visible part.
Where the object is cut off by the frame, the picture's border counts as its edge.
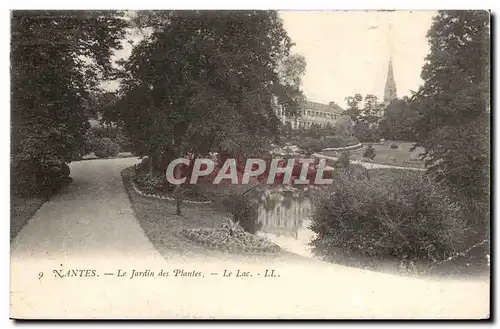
(23, 208)
(162, 226)
(384, 154)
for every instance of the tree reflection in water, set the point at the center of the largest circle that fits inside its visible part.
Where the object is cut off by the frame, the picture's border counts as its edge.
(282, 212)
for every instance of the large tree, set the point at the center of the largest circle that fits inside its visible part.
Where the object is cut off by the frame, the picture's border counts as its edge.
(205, 81)
(57, 59)
(454, 104)
(365, 113)
(398, 120)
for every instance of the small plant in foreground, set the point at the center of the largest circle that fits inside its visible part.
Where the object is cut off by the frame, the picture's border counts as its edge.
(243, 211)
(369, 152)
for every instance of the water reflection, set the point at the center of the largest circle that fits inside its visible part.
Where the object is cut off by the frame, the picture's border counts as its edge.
(285, 217)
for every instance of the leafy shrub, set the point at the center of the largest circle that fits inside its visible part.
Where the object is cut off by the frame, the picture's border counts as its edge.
(405, 217)
(105, 147)
(369, 152)
(242, 210)
(310, 145)
(230, 239)
(366, 134)
(150, 183)
(344, 161)
(116, 134)
(43, 177)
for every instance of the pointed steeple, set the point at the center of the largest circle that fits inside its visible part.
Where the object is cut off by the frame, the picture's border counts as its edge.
(390, 91)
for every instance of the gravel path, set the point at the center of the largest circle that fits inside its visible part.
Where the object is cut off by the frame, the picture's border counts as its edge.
(90, 226)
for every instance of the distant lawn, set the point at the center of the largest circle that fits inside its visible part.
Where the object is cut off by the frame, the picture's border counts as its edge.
(385, 155)
(388, 173)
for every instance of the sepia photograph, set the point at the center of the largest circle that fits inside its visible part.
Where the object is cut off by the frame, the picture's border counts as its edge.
(250, 164)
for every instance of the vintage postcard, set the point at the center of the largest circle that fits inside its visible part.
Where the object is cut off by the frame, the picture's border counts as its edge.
(250, 164)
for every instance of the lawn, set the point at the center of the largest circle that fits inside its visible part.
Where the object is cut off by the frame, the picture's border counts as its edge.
(21, 210)
(385, 155)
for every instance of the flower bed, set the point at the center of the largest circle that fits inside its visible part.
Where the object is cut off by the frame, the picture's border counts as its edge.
(226, 239)
(164, 196)
(156, 187)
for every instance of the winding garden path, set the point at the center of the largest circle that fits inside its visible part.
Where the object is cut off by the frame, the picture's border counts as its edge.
(90, 226)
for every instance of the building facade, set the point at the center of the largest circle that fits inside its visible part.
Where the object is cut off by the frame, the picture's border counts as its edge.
(312, 113)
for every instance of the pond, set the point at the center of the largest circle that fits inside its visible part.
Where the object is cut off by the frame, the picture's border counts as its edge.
(285, 217)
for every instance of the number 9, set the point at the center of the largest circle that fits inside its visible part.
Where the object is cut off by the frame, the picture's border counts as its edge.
(40, 275)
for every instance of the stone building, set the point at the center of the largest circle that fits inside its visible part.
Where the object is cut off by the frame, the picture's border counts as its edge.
(312, 113)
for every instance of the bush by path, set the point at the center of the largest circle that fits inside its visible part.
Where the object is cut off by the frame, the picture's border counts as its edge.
(402, 216)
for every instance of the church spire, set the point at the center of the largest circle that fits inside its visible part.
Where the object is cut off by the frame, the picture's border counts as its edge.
(390, 91)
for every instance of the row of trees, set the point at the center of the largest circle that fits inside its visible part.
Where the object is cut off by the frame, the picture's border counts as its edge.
(443, 215)
(58, 59)
(453, 106)
(198, 82)
(206, 81)
(373, 120)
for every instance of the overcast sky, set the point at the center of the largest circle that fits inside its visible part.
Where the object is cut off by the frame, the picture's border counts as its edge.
(347, 52)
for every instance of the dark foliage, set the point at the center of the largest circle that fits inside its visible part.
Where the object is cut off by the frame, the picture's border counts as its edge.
(206, 81)
(105, 148)
(399, 120)
(243, 211)
(454, 109)
(406, 216)
(369, 152)
(57, 59)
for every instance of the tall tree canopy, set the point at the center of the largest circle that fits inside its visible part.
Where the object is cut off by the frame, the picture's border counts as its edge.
(57, 59)
(454, 102)
(205, 81)
(398, 120)
(363, 109)
(365, 113)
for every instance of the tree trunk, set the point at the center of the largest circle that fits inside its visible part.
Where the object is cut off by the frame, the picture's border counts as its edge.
(178, 199)
(150, 165)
